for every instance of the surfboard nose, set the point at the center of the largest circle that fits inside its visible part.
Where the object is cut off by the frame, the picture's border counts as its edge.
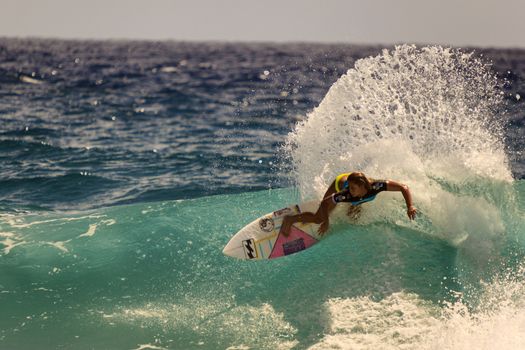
(234, 250)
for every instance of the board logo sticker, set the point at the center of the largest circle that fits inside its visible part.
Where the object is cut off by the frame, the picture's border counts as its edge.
(293, 246)
(249, 248)
(379, 185)
(266, 224)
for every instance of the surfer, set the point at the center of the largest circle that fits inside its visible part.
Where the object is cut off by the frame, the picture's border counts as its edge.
(354, 188)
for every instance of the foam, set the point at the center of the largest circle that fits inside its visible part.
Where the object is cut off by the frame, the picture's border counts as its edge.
(149, 347)
(18, 221)
(496, 321)
(10, 240)
(60, 245)
(90, 232)
(247, 327)
(396, 322)
(405, 321)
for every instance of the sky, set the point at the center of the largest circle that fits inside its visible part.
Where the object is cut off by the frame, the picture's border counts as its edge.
(448, 22)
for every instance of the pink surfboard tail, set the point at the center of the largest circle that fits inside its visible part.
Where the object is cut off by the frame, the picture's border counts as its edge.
(296, 241)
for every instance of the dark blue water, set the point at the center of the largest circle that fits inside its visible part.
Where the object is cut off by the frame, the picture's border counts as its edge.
(117, 122)
(90, 124)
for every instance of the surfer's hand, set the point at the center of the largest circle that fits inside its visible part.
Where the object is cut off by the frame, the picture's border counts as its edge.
(411, 212)
(323, 228)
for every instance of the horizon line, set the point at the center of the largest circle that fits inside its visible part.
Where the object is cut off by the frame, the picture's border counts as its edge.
(256, 41)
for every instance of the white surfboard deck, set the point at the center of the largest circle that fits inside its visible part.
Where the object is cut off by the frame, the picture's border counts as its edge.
(261, 240)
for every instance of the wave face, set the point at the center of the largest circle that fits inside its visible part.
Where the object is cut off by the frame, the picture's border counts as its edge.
(152, 276)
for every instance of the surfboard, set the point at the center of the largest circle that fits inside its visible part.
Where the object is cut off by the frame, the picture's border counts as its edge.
(261, 239)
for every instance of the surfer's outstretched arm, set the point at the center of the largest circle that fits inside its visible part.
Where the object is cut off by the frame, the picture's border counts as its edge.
(396, 186)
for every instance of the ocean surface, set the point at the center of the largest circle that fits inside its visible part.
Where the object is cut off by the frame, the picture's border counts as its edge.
(127, 166)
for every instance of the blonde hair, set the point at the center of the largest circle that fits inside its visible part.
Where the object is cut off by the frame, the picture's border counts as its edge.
(359, 179)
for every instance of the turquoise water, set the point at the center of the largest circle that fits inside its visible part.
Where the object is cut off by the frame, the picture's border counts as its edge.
(153, 276)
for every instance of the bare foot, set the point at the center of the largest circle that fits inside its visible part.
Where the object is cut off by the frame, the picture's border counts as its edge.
(323, 228)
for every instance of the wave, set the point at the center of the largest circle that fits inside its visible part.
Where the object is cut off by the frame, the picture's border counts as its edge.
(428, 117)
(155, 271)
(158, 267)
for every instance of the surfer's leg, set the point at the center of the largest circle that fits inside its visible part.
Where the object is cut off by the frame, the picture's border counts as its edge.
(305, 217)
(326, 206)
(320, 216)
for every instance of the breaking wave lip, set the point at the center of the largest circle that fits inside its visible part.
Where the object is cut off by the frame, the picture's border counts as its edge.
(427, 117)
(438, 101)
